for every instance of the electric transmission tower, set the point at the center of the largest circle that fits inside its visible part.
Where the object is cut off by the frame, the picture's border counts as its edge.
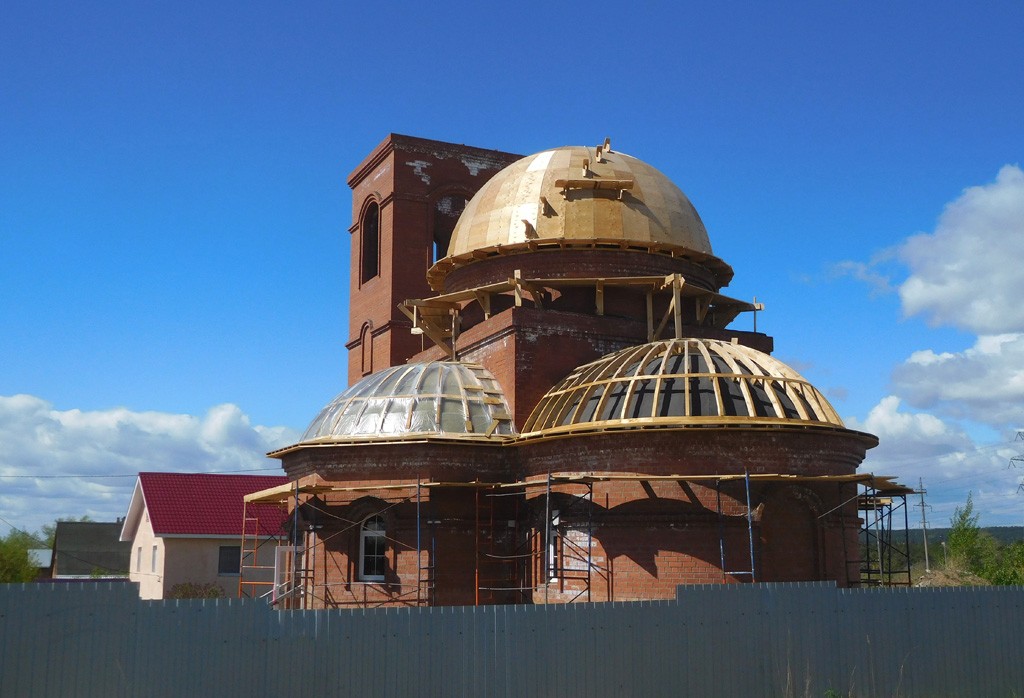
(924, 521)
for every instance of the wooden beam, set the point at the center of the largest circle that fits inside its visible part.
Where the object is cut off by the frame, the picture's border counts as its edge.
(483, 298)
(589, 183)
(664, 319)
(456, 326)
(437, 336)
(650, 316)
(677, 310)
(701, 305)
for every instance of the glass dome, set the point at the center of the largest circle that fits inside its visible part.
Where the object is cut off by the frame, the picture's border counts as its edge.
(436, 398)
(681, 382)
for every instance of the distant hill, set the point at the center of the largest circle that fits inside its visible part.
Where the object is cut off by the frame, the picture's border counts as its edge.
(1003, 534)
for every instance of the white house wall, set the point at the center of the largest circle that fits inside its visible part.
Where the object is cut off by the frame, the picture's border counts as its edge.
(151, 584)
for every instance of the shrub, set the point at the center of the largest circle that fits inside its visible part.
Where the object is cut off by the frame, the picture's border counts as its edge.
(193, 590)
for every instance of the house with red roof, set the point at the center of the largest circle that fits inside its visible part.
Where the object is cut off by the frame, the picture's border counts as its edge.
(186, 528)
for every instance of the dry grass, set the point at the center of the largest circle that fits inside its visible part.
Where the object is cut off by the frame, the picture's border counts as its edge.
(945, 576)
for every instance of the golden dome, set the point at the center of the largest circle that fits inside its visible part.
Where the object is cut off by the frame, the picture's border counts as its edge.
(576, 197)
(681, 383)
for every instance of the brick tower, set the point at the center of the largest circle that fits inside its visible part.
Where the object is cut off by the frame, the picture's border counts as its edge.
(406, 198)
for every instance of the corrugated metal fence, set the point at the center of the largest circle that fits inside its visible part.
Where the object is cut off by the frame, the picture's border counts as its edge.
(738, 640)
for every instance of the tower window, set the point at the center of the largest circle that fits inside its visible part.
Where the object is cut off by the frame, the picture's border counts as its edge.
(372, 550)
(447, 210)
(370, 243)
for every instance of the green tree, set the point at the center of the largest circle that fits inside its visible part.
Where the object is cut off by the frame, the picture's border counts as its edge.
(1009, 568)
(970, 549)
(973, 550)
(964, 535)
(14, 563)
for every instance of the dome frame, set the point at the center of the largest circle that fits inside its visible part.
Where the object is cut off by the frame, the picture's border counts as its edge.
(687, 382)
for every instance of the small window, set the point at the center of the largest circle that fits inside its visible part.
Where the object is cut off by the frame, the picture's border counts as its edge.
(138, 559)
(366, 349)
(370, 243)
(230, 559)
(372, 550)
(554, 546)
(152, 564)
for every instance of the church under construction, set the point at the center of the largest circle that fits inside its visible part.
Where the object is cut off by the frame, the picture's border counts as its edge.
(547, 403)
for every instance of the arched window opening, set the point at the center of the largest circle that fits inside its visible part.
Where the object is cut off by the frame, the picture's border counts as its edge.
(366, 349)
(447, 210)
(372, 550)
(370, 243)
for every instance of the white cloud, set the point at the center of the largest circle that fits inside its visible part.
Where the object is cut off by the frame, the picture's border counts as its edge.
(908, 437)
(967, 274)
(869, 273)
(40, 441)
(984, 384)
(918, 446)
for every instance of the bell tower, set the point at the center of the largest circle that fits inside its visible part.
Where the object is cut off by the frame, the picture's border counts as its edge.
(406, 198)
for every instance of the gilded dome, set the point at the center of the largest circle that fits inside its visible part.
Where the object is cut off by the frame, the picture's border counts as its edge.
(577, 196)
(677, 383)
(435, 399)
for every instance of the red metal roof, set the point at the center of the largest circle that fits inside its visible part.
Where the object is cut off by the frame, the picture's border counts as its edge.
(208, 505)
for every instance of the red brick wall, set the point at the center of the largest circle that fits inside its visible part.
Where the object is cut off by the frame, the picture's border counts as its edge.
(646, 536)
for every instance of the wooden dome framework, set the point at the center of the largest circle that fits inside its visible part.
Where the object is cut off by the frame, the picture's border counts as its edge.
(678, 382)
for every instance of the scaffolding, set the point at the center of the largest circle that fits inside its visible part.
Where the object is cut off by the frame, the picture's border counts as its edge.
(518, 565)
(440, 318)
(885, 558)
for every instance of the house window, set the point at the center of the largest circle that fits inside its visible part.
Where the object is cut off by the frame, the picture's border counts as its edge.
(372, 548)
(370, 243)
(138, 559)
(152, 566)
(230, 560)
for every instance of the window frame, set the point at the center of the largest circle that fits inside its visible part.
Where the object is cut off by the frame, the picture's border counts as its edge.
(220, 561)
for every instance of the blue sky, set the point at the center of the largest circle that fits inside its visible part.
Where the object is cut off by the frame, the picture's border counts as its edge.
(173, 209)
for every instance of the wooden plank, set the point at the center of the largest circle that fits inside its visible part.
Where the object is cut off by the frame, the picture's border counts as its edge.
(677, 310)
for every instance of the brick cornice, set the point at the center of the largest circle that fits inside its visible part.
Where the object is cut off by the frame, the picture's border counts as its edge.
(372, 161)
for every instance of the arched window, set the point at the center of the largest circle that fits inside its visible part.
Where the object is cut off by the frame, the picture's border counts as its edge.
(372, 550)
(370, 243)
(366, 349)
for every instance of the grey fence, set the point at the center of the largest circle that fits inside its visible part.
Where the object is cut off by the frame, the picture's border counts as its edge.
(738, 640)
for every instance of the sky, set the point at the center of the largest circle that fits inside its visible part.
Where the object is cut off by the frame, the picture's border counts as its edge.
(174, 213)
